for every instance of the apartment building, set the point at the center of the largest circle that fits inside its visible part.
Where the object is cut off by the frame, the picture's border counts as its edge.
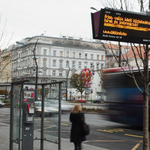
(6, 66)
(112, 53)
(54, 57)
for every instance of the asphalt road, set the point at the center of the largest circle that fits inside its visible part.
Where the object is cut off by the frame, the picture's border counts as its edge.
(103, 133)
(106, 134)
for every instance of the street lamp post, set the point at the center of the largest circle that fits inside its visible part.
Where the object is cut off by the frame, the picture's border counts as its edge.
(93, 8)
(36, 77)
(67, 84)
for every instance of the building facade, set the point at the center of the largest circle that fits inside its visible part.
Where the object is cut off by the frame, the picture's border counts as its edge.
(6, 67)
(54, 57)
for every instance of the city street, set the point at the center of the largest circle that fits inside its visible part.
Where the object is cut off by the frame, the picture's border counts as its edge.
(103, 133)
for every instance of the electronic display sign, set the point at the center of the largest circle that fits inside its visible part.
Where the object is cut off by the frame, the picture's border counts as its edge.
(119, 25)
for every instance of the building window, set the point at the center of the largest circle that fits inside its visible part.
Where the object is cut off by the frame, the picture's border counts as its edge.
(73, 64)
(44, 72)
(28, 62)
(67, 73)
(97, 66)
(63, 84)
(54, 53)
(61, 54)
(85, 56)
(61, 63)
(67, 54)
(33, 62)
(79, 64)
(102, 65)
(43, 81)
(91, 56)
(54, 63)
(60, 73)
(53, 85)
(54, 73)
(44, 62)
(85, 65)
(67, 63)
(102, 57)
(73, 54)
(97, 57)
(19, 55)
(44, 52)
(79, 55)
(117, 52)
(92, 66)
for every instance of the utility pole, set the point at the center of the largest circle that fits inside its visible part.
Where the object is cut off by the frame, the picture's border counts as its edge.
(67, 84)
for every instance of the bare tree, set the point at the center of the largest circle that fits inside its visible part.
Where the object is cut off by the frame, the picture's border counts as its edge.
(4, 39)
(139, 51)
(5, 56)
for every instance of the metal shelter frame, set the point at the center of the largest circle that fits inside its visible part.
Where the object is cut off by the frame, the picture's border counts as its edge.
(21, 84)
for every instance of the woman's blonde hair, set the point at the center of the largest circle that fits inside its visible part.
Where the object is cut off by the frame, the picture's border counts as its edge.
(77, 109)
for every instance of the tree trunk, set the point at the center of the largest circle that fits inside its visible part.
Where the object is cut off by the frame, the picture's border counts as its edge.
(146, 104)
(145, 122)
(81, 101)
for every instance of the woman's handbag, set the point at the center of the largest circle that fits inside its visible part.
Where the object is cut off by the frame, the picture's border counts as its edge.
(86, 129)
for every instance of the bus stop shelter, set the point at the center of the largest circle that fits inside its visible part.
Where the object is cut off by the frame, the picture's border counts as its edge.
(35, 115)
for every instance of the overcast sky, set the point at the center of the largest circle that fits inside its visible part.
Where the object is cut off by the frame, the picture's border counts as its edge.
(27, 18)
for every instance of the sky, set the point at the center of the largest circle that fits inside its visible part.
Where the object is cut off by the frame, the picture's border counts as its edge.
(55, 18)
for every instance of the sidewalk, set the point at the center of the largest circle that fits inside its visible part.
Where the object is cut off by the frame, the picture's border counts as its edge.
(65, 143)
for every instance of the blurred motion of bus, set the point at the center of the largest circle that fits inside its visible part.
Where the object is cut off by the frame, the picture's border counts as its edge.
(124, 99)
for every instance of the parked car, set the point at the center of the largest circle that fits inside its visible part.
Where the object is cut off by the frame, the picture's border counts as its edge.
(1, 104)
(81, 100)
(98, 100)
(65, 106)
(72, 99)
(2, 96)
(63, 98)
(50, 108)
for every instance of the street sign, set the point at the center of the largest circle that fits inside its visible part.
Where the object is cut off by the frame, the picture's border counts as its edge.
(86, 90)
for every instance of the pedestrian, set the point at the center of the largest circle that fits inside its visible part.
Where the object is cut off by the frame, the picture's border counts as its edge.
(77, 119)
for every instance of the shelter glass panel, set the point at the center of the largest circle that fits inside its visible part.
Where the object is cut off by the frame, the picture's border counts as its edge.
(16, 112)
(37, 113)
(51, 112)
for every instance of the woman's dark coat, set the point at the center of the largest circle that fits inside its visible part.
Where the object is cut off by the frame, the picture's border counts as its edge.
(77, 120)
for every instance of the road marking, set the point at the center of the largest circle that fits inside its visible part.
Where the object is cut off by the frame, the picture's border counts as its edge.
(37, 125)
(65, 131)
(136, 146)
(37, 118)
(48, 121)
(104, 141)
(64, 124)
(4, 119)
(46, 128)
(134, 135)
(4, 113)
(111, 130)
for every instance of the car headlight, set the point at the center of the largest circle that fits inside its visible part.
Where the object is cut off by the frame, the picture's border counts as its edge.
(54, 109)
(38, 109)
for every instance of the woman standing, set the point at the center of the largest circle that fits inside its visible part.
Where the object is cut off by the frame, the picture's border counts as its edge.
(77, 119)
